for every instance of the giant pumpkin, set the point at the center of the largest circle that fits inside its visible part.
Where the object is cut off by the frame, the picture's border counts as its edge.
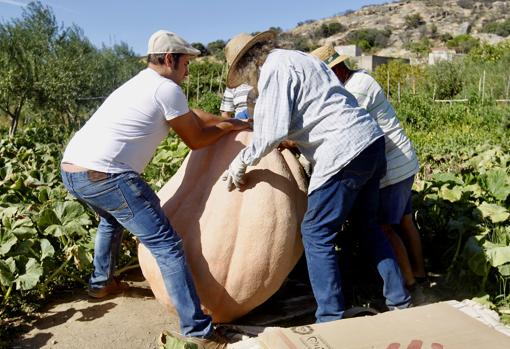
(240, 245)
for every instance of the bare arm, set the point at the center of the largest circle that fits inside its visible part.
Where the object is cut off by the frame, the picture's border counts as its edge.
(201, 129)
(226, 114)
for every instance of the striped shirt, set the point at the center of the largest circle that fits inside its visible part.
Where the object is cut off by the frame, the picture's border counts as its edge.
(234, 99)
(301, 99)
(402, 162)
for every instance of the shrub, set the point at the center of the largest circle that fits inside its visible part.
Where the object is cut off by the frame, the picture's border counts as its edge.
(329, 29)
(463, 43)
(467, 4)
(369, 38)
(413, 21)
(421, 48)
(446, 79)
(498, 28)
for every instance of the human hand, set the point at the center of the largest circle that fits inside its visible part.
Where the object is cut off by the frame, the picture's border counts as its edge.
(234, 175)
(238, 124)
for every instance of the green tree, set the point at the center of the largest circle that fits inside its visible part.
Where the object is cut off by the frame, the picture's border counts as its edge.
(216, 48)
(199, 46)
(24, 47)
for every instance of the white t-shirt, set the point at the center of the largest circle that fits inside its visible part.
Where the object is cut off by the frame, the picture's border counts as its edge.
(124, 132)
(401, 158)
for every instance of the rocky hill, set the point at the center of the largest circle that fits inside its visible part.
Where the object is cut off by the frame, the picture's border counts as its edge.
(403, 26)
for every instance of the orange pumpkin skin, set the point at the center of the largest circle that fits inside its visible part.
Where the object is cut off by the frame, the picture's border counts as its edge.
(240, 245)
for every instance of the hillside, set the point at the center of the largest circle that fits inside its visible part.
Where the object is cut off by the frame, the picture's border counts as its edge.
(404, 24)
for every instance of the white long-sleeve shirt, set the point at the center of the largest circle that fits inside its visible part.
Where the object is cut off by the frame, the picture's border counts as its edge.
(301, 99)
(401, 158)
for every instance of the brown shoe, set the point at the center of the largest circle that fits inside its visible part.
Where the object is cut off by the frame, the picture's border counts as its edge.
(171, 340)
(114, 286)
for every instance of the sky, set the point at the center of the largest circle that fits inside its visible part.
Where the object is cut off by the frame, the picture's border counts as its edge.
(108, 22)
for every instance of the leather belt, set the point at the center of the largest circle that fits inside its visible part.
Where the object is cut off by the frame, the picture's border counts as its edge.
(94, 176)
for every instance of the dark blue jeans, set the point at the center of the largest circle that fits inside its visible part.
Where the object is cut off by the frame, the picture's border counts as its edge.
(353, 192)
(125, 200)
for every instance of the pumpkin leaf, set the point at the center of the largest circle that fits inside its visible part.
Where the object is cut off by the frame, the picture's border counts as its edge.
(498, 254)
(46, 218)
(475, 255)
(47, 249)
(498, 184)
(451, 195)
(495, 213)
(7, 271)
(7, 240)
(29, 280)
(447, 178)
(504, 269)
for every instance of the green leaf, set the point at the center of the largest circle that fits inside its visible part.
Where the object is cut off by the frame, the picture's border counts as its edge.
(504, 269)
(7, 271)
(476, 259)
(55, 230)
(46, 218)
(498, 254)
(33, 272)
(451, 195)
(447, 178)
(82, 257)
(7, 240)
(47, 249)
(498, 184)
(72, 211)
(495, 213)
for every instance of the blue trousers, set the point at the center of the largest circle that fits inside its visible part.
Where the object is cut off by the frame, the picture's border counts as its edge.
(353, 192)
(125, 200)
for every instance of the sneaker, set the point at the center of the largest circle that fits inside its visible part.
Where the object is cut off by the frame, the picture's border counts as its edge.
(171, 340)
(114, 286)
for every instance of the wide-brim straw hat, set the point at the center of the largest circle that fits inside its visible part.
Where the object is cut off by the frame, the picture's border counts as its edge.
(328, 55)
(236, 48)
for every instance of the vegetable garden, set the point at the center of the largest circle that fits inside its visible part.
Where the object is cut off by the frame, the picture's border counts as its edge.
(461, 196)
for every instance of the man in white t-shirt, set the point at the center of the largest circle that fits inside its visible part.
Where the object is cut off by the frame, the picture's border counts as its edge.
(102, 163)
(402, 164)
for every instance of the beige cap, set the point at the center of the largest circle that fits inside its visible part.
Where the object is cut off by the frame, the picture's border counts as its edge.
(328, 55)
(164, 41)
(236, 48)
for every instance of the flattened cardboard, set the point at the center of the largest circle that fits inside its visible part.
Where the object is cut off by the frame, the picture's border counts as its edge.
(435, 326)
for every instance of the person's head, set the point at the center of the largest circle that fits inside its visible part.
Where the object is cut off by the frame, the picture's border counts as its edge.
(335, 61)
(245, 55)
(169, 55)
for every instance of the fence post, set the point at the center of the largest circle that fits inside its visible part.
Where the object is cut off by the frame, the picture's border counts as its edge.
(198, 87)
(483, 87)
(388, 84)
(507, 87)
(398, 93)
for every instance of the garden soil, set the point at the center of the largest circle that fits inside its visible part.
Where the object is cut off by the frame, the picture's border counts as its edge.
(133, 319)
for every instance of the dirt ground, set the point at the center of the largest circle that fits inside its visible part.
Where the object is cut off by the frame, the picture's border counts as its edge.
(133, 319)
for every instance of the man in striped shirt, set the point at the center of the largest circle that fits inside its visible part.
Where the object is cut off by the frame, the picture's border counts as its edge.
(300, 99)
(234, 102)
(402, 164)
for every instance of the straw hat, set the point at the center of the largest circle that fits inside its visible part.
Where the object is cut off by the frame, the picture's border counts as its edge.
(236, 48)
(328, 55)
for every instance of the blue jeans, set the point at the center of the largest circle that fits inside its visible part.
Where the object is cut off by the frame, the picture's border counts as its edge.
(351, 193)
(125, 200)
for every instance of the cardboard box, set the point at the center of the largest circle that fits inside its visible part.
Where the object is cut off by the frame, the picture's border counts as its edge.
(435, 326)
